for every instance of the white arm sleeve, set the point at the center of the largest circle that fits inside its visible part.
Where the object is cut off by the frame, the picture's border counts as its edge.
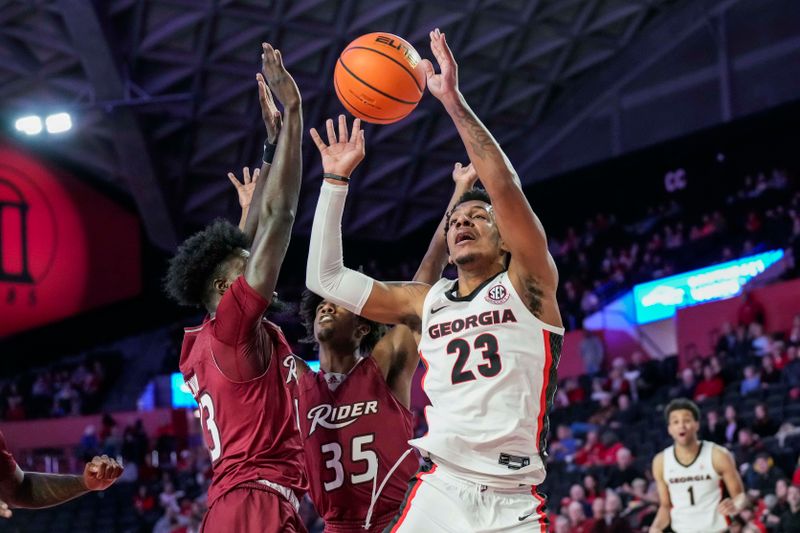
(326, 274)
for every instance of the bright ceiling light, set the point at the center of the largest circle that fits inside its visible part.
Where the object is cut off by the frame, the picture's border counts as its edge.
(58, 123)
(30, 125)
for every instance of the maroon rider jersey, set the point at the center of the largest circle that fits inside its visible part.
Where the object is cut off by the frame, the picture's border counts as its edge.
(353, 437)
(250, 427)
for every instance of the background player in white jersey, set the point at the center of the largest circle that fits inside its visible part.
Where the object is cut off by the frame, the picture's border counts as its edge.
(690, 476)
(490, 341)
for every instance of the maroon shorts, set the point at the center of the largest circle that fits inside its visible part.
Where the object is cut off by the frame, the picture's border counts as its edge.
(252, 509)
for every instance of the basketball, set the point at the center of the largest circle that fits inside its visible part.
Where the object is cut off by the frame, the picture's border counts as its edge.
(378, 78)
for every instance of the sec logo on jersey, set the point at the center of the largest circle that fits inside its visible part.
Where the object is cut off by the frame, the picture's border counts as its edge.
(497, 295)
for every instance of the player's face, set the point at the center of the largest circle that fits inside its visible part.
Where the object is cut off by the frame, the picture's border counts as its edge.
(472, 233)
(683, 427)
(332, 321)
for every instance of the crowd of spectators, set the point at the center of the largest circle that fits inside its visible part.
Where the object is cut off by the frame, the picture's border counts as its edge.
(64, 389)
(606, 255)
(608, 427)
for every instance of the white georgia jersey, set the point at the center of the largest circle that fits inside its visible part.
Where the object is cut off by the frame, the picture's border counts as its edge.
(695, 491)
(491, 379)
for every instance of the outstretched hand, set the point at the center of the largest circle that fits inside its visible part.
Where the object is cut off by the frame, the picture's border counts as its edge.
(465, 175)
(340, 156)
(279, 80)
(245, 187)
(269, 111)
(445, 83)
(101, 472)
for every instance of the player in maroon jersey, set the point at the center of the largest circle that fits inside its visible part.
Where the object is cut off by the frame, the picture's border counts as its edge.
(354, 413)
(238, 365)
(32, 490)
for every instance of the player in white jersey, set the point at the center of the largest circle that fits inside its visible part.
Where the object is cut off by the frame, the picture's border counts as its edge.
(490, 341)
(690, 476)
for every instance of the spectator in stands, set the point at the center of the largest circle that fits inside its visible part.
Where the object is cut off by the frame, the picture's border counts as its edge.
(761, 341)
(169, 497)
(612, 521)
(565, 445)
(781, 493)
(589, 454)
(769, 374)
(790, 520)
(791, 371)
(577, 494)
(714, 428)
(762, 476)
(726, 340)
(89, 445)
(623, 474)
(763, 425)
(578, 523)
(591, 489)
(751, 382)
(627, 413)
(592, 352)
(644, 373)
(711, 386)
(744, 344)
(687, 385)
(794, 333)
(603, 415)
(747, 447)
(750, 311)
(562, 524)
(575, 393)
(732, 426)
(15, 410)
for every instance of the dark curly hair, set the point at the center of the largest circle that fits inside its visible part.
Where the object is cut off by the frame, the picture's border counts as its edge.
(308, 313)
(199, 260)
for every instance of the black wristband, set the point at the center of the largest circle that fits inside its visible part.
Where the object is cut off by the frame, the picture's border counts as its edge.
(336, 177)
(269, 153)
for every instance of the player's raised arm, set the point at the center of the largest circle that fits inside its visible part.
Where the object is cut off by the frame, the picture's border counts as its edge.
(277, 204)
(435, 260)
(662, 519)
(273, 121)
(725, 465)
(326, 275)
(520, 228)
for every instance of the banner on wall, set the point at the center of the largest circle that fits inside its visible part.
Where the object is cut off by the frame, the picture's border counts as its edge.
(64, 247)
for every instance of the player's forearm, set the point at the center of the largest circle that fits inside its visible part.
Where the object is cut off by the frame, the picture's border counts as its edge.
(487, 157)
(282, 189)
(45, 490)
(248, 222)
(326, 274)
(435, 260)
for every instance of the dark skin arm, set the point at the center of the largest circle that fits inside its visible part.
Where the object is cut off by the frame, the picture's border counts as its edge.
(273, 122)
(532, 269)
(32, 490)
(278, 203)
(435, 260)
(397, 352)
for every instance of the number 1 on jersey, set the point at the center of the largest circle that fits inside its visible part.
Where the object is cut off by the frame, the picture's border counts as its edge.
(691, 495)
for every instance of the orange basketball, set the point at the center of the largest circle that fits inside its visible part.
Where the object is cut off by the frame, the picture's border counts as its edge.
(378, 78)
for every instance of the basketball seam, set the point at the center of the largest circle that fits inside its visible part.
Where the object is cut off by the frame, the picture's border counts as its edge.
(406, 102)
(347, 103)
(390, 58)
